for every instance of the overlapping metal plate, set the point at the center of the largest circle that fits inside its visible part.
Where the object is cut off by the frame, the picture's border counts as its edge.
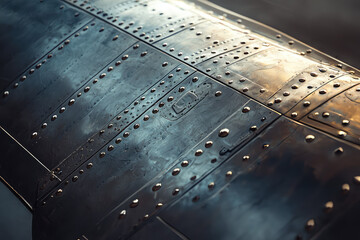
(27, 37)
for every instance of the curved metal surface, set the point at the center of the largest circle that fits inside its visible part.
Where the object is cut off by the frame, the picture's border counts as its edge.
(161, 120)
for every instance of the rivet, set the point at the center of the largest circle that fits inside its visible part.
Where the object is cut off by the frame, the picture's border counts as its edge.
(310, 224)
(54, 117)
(196, 198)
(134, 203)
(291, 42)
(44, 125)
(345, 122)
(218, 93)
(345, 187)
(229, 173)
(339, 150)
(286, 94)
(294, 86)
(122, 214)
(294, 114)
(193, 178)
(126, 134)
(89, 165)
(329, 206)
(208, 144)
(79, 94)
(265, 146)
(176, 171)
(155, 110)
(342, 134)
(181, 89)
(357, 179)
(81, 171)
(110, 147)
(146, 216)
(102, 154)
(6, 93)
(164, 44)
(322, 70)
(125, 57)
(159, 205)
(102, 75)
(62, 109)
(143, 54)
(115, 37)
(185, 163)
(110, 69)
(198, 152)
(211, 185)
(326, 114)
(302, 80)
(71, 102)
(176, 191)
(117, 63)
(102, 131)
(322, 91)
(34, 134)
(313, 74)
(23, 78)
(246, 109)
(118, 140)
(336, 85)
(59, 192)
(156, 187)
(306, 103)
(146, 117)
(195, 79)
(253, 128)
(164, 64)
(75, 178)
(309, 138)
(136, 126)
(224, 132)
(246, 158)
(110, 125)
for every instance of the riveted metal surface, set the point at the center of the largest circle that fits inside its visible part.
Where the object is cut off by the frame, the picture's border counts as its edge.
(123, 167)
(186, 171)
(203, 41)
(339, 116)
(70, 65)
(274, 191)
(27, 37)
(123, 113)
(125, 78)
(149, 20)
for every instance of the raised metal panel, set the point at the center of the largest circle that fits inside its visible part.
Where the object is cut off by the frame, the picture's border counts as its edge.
(275, 191)
(124, 166)
(54, 78)
(149, 20)
(122, 113)
(203, 41)
(135, 72)
(321, 95)
(20, 169)
(340, 116)
(29, 30)
(188, 170)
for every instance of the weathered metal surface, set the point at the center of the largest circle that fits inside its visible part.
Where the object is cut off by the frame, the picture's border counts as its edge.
(29, 30)
(138, 111)
(140, 153)
(276, 192)
(52, 80)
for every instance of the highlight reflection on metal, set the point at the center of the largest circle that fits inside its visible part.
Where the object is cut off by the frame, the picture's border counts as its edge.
(166, 120)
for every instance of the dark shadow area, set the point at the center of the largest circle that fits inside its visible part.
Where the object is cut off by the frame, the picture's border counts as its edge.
(332, 27)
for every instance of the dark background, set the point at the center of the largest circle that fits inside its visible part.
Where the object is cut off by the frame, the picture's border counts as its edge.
(328, 25)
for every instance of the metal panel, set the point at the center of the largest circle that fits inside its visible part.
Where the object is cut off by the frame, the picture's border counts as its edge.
(124, 166)
(53, 79)
(340, 116)
(149, 20)
(134, 73)
(122, 113)
(188, 170)
(203, 41)
(275, 192)
(19, 168)
(27, 37)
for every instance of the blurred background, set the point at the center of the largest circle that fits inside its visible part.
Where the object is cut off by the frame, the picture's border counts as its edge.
(328, 25)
